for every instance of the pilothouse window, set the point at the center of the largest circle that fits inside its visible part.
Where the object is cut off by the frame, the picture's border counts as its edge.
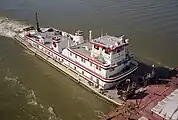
(106, 51)
(60, 33)
(118, 50)
(96, 47)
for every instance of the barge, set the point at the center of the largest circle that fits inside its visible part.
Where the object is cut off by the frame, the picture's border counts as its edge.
(159, 100)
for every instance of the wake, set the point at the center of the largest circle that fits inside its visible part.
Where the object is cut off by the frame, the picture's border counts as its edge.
(10, 28)
(31, 98)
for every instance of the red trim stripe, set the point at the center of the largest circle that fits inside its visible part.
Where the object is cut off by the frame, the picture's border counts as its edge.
(98, 45)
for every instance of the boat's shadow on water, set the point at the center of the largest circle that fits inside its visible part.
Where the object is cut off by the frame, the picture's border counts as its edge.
(163, 77)
(161, 71)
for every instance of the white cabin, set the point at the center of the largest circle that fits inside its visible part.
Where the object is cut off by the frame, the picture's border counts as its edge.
(103, 61)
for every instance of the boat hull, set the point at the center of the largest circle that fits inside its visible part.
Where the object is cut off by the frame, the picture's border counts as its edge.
(79, 78)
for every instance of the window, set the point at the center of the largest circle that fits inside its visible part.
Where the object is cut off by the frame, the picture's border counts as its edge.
(96, 47)
(71, 38)
(70, 54)
(106, 51)
(83, 60)
(118, 50)
(114, 52)
(90, 64)
(97, 67)
(76, 56)
(82, 72)
(119, 63)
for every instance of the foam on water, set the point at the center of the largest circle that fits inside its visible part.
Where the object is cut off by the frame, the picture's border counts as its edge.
(31, 98)
(52, 114)
(9, 28)
(158, 63)
(12, 81)
(153, 60)
(27, 52)
(100, 114)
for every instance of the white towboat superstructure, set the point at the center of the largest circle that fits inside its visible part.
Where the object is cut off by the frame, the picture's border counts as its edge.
(103, 61)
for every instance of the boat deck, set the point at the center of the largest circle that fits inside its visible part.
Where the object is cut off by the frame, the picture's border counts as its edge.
(48, 35)
(85, 50)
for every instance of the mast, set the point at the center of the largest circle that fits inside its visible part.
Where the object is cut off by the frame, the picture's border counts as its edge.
(90, 36)
(37, 23)
(68, 43)
(101, 33)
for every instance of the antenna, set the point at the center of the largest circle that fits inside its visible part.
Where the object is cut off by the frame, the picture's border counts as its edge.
(37, 23)
(101, 32)
(68, 43)
(90, 36)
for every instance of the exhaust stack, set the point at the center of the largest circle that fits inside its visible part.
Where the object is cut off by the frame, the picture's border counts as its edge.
(37, 23)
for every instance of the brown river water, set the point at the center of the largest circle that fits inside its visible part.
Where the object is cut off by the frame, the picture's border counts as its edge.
(32, 90)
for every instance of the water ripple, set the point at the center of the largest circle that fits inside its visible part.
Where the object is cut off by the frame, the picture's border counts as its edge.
(31, 99)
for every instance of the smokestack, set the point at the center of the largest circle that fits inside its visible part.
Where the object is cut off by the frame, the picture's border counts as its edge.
(37, 23)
